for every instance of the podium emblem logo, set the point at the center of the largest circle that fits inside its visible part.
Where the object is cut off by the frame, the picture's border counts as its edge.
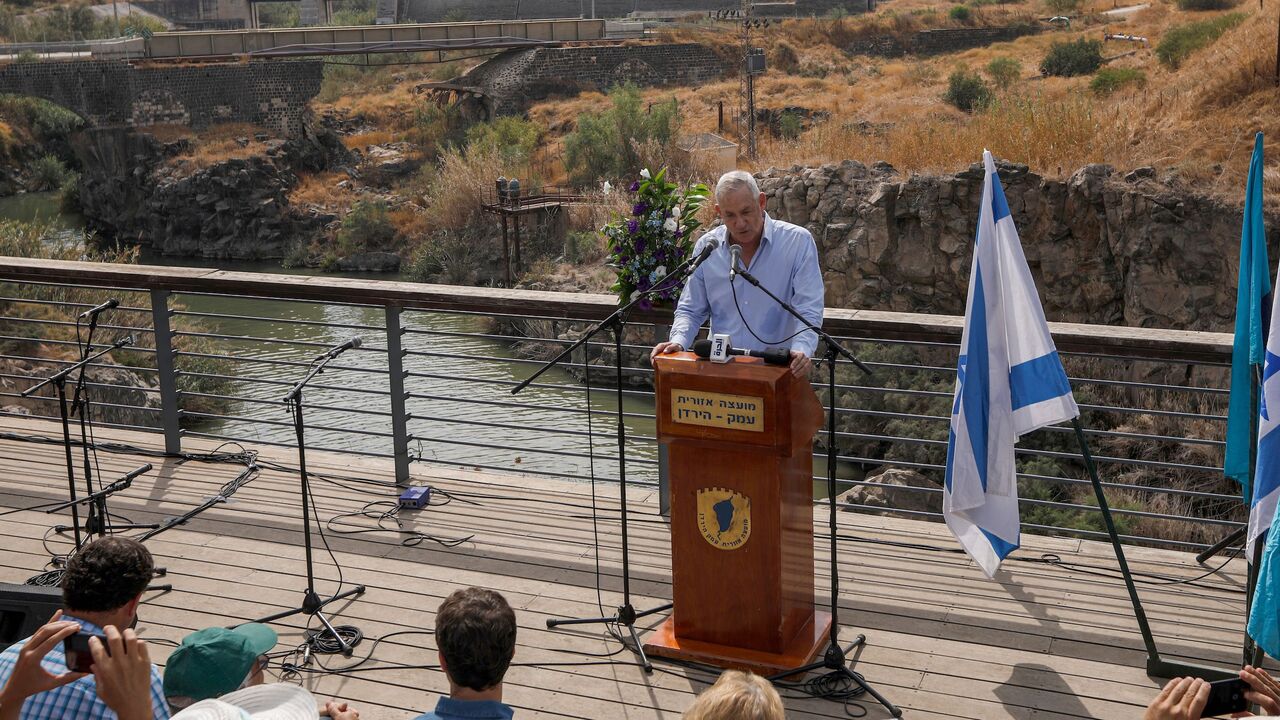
(724, 517)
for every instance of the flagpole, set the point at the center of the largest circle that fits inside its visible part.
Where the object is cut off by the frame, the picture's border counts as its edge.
(1156, 666)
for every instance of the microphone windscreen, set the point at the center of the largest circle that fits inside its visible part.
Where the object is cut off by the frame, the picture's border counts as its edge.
(356, 342)
(702, 348)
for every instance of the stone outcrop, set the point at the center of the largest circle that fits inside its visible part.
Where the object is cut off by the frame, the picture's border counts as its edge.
(1103, 248)
(238, 208)
(894, 489)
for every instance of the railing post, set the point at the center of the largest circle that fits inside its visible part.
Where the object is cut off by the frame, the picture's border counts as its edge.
(399, 416)
(164, 369)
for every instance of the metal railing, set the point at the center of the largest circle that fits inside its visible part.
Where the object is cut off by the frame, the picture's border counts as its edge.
(216, 351)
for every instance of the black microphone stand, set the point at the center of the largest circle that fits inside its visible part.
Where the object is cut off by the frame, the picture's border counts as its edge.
(95, 522)
(311, 602)
(626, 613)
(835, 658)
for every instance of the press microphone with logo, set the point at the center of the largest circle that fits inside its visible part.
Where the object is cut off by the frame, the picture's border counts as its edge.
(112, 303)
(773, 356)
(334, 352)
(735, 254)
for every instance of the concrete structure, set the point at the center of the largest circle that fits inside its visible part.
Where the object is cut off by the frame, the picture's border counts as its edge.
(508, 83)
(203, 14)
(709, 153)
(457, 10)
(114, 93)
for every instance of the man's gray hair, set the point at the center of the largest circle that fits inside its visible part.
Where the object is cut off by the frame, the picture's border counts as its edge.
(735, 180)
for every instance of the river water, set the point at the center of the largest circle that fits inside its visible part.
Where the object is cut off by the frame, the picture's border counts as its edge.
(454, 393)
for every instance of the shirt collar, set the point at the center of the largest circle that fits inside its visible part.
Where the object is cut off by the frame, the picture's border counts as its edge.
(765, 235)
(85, 626)
(477, 709)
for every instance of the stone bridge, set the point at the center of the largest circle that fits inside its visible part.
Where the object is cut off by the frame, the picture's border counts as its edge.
(116, 93)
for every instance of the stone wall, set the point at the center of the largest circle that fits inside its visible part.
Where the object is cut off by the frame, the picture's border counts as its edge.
(514, 79)
(935, 42)
(116, 93)
(1103, 248)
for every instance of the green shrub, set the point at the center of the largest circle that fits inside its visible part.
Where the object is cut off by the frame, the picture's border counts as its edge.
(513, 138)
(48, 173)
(967, 90)
(789, 125)
(279, 14)
(1004, 71)
(960, 14)
(366, 227)
(604, 145)
(1205, 4)
(1108, 80)
(1180, 41)
(456, 15)
(1068, 59)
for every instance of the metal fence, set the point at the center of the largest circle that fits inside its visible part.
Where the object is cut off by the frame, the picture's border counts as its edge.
(216, 351)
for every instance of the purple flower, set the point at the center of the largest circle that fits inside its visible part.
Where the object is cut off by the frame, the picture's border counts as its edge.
(639, 244)
(645, 304)
(632, 226)
(642, 283)
(660, 256)
(640, 209)
(635, 186)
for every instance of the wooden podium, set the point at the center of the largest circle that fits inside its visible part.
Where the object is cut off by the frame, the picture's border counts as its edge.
(739, 437)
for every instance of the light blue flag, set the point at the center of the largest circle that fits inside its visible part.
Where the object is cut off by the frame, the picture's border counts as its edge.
(1252, 305)
(1009, 382)
(1264, 613)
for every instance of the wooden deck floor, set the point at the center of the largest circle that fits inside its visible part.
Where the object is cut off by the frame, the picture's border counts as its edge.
(1041, 641)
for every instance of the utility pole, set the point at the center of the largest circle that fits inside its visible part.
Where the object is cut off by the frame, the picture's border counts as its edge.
(115, 11)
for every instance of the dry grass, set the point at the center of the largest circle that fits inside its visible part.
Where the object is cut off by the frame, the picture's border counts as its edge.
(219, 143)
(321, 189)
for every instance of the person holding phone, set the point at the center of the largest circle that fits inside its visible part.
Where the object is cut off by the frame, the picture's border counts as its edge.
(102, 587)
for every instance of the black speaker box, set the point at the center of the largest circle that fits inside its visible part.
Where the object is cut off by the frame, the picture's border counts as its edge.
(24, 608)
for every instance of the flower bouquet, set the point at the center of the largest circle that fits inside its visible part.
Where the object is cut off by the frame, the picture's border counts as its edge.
(654, 239)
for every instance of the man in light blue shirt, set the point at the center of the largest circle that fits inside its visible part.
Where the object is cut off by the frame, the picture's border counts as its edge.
(782, 256)
(102, 587)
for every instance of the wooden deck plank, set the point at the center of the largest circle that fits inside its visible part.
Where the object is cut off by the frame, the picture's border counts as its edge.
(1041, 641)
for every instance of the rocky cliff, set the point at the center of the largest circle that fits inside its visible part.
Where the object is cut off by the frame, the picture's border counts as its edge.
(237, 208)
(1103, 248)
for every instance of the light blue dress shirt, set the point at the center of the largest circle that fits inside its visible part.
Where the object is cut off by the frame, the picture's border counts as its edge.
(786, 262)
(78, 700)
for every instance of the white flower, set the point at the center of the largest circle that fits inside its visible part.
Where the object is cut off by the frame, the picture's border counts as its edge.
(660, 272)
(645, 174)
(607, 187)
(675, 213)
(670, 225)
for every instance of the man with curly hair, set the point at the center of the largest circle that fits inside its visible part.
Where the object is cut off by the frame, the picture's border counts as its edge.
(101, 588)
(476, 636)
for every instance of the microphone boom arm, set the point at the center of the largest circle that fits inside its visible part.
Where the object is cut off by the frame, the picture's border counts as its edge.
(831, 342)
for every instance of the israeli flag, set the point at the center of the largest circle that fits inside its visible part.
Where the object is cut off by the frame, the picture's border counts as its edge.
(1264, 612)
(1009, 382)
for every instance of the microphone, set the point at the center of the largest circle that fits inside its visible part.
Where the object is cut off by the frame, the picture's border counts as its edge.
(104, 306)
(337, 350)
(773, 356)
(127, 480)
(707, 249)
(735, 254)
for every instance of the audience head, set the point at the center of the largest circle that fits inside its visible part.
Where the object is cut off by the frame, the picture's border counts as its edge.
(215, 661)
(105, 579)
(738, 696)
(476, 634)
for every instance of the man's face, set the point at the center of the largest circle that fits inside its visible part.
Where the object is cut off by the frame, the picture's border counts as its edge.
(742, 213)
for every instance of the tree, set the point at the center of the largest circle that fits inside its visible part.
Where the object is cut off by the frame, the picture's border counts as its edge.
(604, 144)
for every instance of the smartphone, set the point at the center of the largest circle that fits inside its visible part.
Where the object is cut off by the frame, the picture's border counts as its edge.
(76, 648)
(1225, 697)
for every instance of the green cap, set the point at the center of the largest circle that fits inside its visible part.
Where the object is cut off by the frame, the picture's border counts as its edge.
(215, 661)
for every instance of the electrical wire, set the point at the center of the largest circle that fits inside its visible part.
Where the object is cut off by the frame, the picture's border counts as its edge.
(733, 288)
(412, 538)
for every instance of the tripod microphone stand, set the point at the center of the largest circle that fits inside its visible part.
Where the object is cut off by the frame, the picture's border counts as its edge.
(626, 614)
(835, 657)
(311, 602)
(96, 520)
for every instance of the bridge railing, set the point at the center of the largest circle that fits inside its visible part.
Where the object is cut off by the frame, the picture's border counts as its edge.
(217, 350)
